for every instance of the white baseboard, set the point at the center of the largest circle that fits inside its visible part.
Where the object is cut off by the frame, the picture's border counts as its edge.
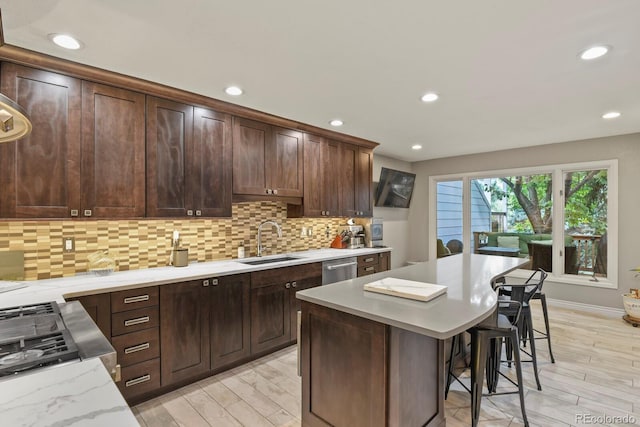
(607, 311)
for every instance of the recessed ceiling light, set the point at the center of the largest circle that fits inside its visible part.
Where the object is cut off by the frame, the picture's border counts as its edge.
(594, 52)
(336, 122)
(233, 91)
(65, 41)
(429, 97)
(416, 147)
(611, 115)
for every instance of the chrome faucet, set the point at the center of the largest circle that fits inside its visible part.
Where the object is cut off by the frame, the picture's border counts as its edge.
(275, 224)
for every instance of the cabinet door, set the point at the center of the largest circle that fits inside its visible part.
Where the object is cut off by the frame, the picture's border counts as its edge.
(230, 319)
(348, 168)
(295, 303)
(384, 263)
(99, 309)
(113, 152)
(40, 174)
(331, 178)
(314, 172)
(270, 317)
(249, 150)
(284, 162)
(364, 173)
(184, 330)
(169, 137)
(211, 163)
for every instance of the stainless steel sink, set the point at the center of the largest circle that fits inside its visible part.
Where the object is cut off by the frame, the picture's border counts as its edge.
(269, 260)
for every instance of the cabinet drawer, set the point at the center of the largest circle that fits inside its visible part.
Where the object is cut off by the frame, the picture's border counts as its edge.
(368, 260)
(285, 274)
(132, 299)
(140, 378)
(365, 271)
(137, 347)
(134, 320)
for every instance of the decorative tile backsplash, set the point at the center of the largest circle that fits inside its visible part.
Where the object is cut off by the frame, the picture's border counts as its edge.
(146, 243)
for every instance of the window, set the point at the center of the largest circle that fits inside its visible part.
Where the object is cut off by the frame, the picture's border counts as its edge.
(560, 217)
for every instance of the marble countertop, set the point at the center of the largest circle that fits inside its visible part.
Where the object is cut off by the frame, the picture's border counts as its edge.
(469, 298)
(76, 394)
(83, 393)
(87, 284)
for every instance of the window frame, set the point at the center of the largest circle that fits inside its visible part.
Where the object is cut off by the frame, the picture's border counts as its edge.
(557, 173)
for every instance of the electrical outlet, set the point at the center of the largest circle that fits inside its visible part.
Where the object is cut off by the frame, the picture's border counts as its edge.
(310, 231)
(69, 244)
(303, 232)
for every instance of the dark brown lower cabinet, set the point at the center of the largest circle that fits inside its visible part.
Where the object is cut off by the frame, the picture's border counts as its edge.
(184, 330)
(98, 306)
(357, 372)
(230, 319)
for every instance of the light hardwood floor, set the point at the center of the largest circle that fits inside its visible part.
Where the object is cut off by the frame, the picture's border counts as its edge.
(596, 374)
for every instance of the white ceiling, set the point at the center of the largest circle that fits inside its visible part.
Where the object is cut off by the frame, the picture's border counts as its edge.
(507, 71)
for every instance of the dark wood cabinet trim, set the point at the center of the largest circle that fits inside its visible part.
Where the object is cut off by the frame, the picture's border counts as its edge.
(74, 69)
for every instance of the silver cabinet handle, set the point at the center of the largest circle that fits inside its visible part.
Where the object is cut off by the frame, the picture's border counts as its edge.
(139, 380)
(136, 321)
(275, 191)
(74, 212)
(189, 212)
(287, 285)
(368, 259)
(205, 283)
(337, 266)
(214, 282)
(294, 284)
(269, 191)
(368, 269)
(87, 212)
(198, 212)
(139, 298)
(136, 348)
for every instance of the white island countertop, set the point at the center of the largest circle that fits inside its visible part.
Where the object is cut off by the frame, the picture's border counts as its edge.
(469, 298)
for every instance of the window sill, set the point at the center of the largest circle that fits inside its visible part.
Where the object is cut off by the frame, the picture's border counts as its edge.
(568, 279)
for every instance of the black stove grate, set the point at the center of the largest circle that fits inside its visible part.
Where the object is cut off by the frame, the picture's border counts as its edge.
(29, 310)
(30, 353)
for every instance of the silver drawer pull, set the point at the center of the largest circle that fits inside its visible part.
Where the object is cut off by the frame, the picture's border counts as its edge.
(368, 269)
(336, 266)
(139, 380)
(136, 321)
(368, 259)
(139, 298)
(136, 348)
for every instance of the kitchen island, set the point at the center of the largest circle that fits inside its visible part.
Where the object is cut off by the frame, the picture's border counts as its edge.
(376, 360)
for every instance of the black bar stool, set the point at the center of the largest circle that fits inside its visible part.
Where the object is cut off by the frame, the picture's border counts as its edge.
(546, 334)
(486, 344)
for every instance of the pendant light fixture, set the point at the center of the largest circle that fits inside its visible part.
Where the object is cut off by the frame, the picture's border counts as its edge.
(14, 123)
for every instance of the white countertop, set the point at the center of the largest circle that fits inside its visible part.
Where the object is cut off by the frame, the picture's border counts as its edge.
(76, 394)
(87, 284)
(469, 298)
(83, 393)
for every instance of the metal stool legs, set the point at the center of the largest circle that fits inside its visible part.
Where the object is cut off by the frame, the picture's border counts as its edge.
(543, 301)
(526, 325)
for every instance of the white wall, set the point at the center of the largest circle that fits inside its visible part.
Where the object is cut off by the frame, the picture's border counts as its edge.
(396, 224)
(625, 148)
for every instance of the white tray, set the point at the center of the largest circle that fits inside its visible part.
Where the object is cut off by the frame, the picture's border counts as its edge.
(420, 291)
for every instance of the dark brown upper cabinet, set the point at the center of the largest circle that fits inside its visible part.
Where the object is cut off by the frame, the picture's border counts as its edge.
(356, 180)
(113, 152)
(321, 177)
(188, 160)
(40, 174)
(267, 160)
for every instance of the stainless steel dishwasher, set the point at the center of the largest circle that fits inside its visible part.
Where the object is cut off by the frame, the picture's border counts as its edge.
(339, 269)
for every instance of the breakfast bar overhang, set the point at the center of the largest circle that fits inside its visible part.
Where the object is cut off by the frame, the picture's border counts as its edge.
(376, 360)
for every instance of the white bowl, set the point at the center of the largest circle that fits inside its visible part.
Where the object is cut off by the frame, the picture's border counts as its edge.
(631, 305)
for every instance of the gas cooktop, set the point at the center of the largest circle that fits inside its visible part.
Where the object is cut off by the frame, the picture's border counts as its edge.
(33, 336)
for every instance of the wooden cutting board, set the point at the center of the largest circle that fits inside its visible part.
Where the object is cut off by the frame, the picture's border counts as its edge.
(420, 291)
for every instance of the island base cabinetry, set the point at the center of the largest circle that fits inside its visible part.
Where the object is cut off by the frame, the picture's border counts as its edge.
(357, 372)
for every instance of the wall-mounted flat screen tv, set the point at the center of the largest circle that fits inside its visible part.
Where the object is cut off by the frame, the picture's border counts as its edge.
(394, 188)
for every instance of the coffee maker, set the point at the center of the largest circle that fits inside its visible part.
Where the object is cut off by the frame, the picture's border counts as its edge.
(354, 235)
